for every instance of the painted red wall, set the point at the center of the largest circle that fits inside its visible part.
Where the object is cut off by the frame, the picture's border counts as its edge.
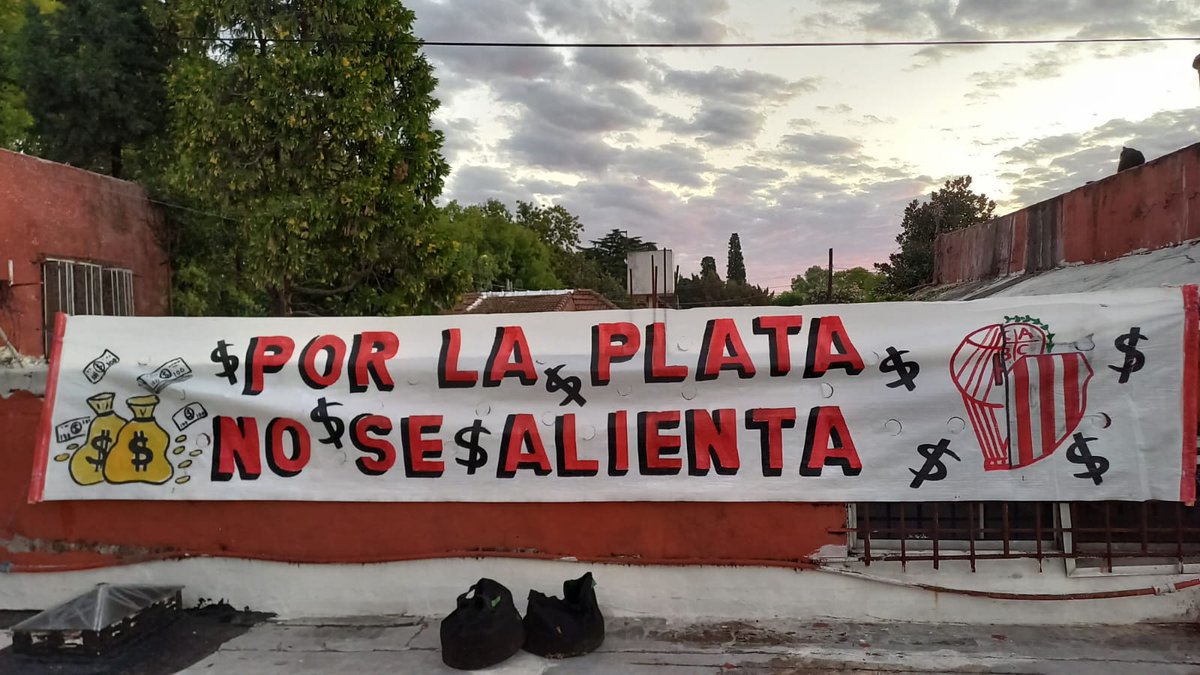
(65, 535)
(56, 211)
(47, 209)
(1153, 206)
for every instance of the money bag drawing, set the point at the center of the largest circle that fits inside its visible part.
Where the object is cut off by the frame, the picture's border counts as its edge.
(139, 454)
(1022, 401)
(87, 464)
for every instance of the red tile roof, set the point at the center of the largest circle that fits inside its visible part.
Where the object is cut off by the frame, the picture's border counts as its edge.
(577, 300)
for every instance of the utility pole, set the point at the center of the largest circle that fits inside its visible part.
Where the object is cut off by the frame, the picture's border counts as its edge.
(829, 279)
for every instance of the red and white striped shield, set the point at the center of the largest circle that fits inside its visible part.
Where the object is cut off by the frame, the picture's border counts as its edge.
(1022, 402)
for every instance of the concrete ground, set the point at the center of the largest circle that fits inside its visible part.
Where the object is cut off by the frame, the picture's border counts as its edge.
(392, 645)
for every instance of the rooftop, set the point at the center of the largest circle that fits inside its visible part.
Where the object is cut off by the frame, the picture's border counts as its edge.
(508, 302)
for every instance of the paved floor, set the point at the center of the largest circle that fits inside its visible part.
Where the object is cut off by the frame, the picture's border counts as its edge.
(391, 645)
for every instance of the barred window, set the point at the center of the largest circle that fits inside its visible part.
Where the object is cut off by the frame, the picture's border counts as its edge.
(75, 287)
(1100, 536)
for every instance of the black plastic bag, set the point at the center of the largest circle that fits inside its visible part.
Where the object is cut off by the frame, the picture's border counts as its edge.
(484, 630)
(571, 626)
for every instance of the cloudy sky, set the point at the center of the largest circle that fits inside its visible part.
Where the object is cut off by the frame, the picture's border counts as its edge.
(798, 150)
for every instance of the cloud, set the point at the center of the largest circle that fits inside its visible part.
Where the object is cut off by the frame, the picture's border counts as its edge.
(536, 144)
(580, 109)
(615, 65)
(691, 21)
(674, 163)
(1043, 167)
(485, 182)
(719, 124)
(736, 87)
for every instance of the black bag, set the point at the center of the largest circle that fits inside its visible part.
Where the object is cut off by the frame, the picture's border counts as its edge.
(571, 626)
(484, 630)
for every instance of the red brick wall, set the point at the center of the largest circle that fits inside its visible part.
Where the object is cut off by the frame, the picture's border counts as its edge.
(1153, 206)
(57, 211)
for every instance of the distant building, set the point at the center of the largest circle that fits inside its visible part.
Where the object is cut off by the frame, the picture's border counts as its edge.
(506, 302)
(76, 242)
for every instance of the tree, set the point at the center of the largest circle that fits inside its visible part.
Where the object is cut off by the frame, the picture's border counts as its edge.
(498, 250)
(554, 225)
(15, 119)
(610, 251)
(857, 284)
(93, 75)
(708, 289)
(953, 207)
(735, 266)
(307, 129)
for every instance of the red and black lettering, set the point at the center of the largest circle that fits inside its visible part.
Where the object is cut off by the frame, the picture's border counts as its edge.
(652, 445)
(657, 369)
(826, 425)
(265, 354)
(422, 456)
(770, 423)
(368, 360)
(449, 376)
(612, 343)
(712, 438)
(510, 356)
(235, 445)
(335, 354)
(829, 347)
(723, 349)
(618, 443)
(779, 328)
(282, 463)
(520, 433)
(383, 453)
(567, 449)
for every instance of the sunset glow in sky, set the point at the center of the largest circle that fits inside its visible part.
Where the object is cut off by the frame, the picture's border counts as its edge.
(801, 149)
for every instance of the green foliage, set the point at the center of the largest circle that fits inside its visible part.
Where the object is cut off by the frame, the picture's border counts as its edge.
(857, 284)
(498, 250)
(609, 252)
(93, 77)
(707, 289)
(953, 207)
(735, 266)
(15, 119)
(316, 150)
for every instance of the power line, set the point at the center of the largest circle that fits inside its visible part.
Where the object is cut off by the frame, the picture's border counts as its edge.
(703, 45)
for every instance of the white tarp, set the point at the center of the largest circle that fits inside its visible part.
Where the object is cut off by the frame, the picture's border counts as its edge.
(1071, 397)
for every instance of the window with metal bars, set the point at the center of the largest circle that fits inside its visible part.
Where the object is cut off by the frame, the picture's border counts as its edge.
(75, 287)
(1102, 536)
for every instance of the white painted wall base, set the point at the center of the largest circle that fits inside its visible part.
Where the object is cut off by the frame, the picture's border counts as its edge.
(429, 588)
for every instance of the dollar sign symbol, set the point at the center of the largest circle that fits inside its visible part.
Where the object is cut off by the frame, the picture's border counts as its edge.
(334, 426)
(1080, 453)
(468, 437)
(933, 469)
(1134, 358)
(907, 371)
(141, 453)
(221, 356)
(101, 445)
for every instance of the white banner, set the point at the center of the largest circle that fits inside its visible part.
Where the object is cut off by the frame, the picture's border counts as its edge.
(1072, 397)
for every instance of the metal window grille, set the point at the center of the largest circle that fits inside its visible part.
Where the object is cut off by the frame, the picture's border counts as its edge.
(1099, 535)
(75, 287)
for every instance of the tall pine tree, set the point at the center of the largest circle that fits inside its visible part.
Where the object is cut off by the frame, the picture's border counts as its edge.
(735, 266)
